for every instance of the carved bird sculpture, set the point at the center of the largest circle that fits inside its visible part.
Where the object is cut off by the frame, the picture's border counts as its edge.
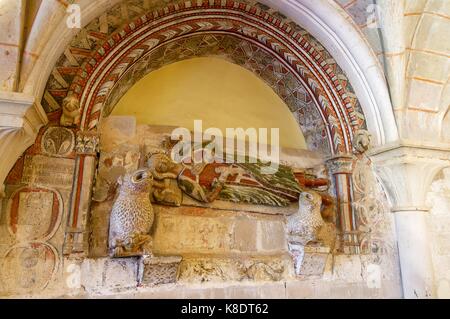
(304, 225)
(132, 216)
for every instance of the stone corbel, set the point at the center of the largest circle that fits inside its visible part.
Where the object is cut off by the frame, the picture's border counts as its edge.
(407, 172)
(21, 117)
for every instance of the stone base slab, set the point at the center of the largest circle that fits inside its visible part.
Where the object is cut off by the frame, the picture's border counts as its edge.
(154, 271)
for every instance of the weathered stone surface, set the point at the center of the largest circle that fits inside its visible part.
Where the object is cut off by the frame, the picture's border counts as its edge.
(188, 230)
(109, 274)
(299, 289)
(198, 270)
(271, 235)
(42, 170)
(439, 226)
(153, 271)
(116, 131)
(28, 268)
(35, 215)
(244, 238)
(175, 234)
(348, 268)
(112, 166)
(98, 228)
(315, 261)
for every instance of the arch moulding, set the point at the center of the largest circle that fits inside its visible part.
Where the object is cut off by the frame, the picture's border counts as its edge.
(323, 19)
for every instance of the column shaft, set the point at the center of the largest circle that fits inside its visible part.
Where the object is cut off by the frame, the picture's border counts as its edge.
(415, 254)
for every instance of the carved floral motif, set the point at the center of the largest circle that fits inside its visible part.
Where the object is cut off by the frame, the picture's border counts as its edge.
(218, 270)
(58, 141)
(87, 143)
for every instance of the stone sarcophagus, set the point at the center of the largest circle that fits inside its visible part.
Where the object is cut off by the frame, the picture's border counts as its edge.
(212, 221)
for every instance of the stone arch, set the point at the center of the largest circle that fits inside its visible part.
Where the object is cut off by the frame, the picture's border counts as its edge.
(324, 19)
(245, 54)
(103, 65)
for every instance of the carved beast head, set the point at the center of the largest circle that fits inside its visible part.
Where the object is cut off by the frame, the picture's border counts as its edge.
(71, 103)
(310, 200)
(139, 181)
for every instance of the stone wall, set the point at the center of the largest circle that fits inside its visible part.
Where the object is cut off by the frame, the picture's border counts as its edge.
(344, 277)
(34, 215)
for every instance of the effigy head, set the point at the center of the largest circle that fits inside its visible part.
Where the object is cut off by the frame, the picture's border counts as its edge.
(138, 181)
(162, 166)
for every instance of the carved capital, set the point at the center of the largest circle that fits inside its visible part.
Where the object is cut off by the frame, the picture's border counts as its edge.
(407, 172)
(20, 111)
(21, 117)
(87, 143)
(342, 164)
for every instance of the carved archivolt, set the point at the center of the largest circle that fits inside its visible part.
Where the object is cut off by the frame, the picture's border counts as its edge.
(103, 52)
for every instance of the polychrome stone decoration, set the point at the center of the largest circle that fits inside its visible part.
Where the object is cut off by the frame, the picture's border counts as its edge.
(105, 50)
(238, 183)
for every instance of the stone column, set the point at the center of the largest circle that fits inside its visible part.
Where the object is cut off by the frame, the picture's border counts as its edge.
(77, 232)
(407, 173)
(341, 168)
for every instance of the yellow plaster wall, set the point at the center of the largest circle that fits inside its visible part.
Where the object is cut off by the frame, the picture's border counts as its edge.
(218, 92)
